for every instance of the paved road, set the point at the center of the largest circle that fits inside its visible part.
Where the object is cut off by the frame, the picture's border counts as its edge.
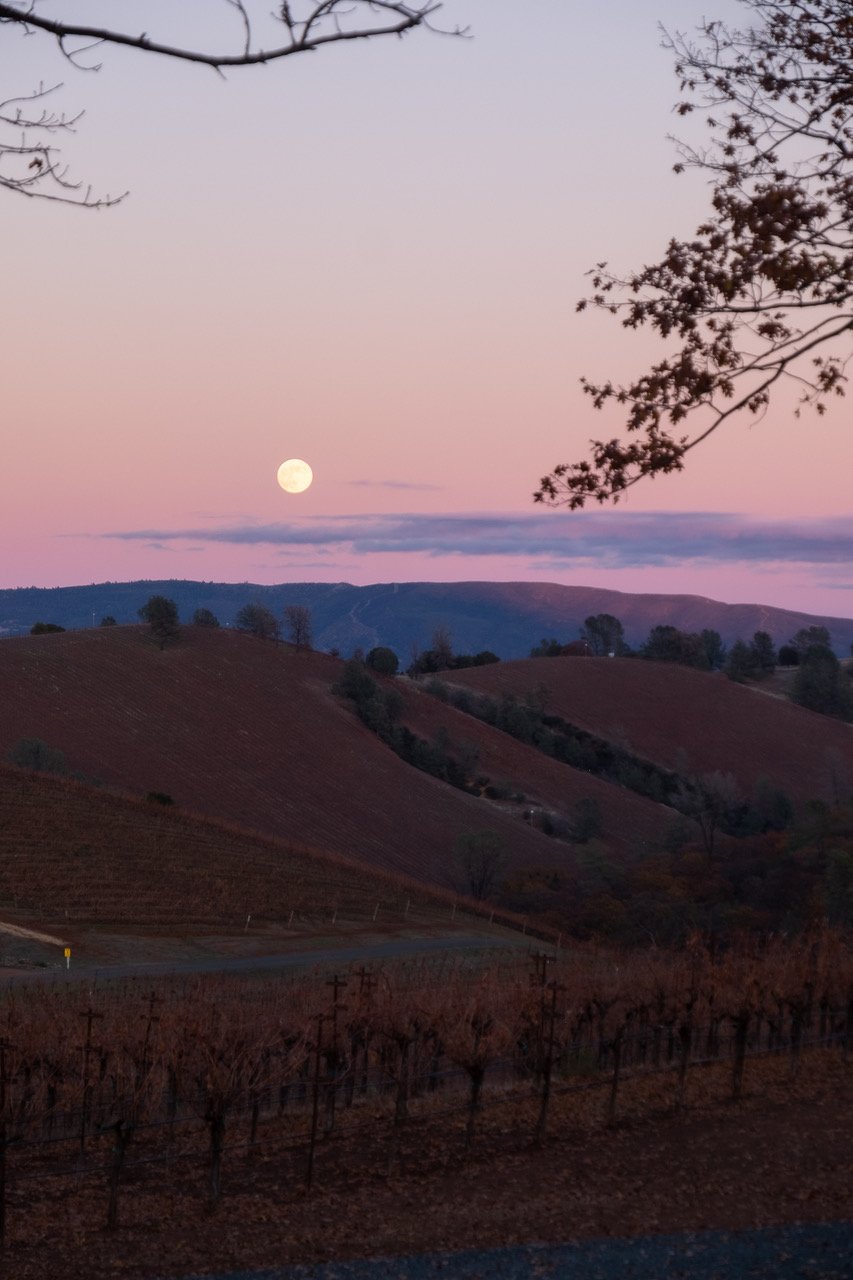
(393, 949)
(817, 1251)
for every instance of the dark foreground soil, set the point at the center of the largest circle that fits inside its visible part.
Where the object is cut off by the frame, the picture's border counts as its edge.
(783, 1155)
(806, 1251)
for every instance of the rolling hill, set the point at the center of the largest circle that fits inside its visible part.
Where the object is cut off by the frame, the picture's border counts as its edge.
(676, 716)
(250, 733)
(74, 855)
(509, 618)
(268, 766)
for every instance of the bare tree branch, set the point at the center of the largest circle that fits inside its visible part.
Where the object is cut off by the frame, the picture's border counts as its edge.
(305, 34)
(30, 162)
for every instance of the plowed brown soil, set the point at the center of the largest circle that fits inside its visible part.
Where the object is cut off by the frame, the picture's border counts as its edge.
(671, 714)
(90, 863)
(630, 822)
(242, 730)
(250, 732)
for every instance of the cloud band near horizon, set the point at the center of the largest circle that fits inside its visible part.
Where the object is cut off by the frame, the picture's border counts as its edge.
(608, 539)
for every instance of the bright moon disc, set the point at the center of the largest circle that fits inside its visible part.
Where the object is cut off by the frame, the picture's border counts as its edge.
(295, 476)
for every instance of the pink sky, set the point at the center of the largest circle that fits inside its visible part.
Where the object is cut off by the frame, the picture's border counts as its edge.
(370, 258)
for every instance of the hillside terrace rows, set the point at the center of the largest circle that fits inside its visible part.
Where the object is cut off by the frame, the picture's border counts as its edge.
(680, 718)
(250, 732)
(71, 855)
(245, 731)
(632, 824)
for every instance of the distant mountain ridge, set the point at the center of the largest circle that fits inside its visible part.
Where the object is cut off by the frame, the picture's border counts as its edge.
(507, 617)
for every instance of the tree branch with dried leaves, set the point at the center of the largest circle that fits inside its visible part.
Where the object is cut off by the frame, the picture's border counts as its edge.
(763, 292)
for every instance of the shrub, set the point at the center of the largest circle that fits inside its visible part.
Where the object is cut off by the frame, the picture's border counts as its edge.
(32, 753)
(355, 683)
(204, 618)
(159, 797)
(587, 822)
(383, 660)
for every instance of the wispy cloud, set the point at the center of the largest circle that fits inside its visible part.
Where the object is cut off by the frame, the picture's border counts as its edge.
(395, 484)
(605, 539)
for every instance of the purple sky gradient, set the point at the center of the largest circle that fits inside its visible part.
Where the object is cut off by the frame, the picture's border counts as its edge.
(370, 258)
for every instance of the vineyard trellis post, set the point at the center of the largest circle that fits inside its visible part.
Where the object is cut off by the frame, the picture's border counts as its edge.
(539, 977)
(257, 1052)
(129, 1111)
(685, 1037)
(151, 1020)
(403, 1043)
(617, 1045)
(361, 1035)
(5, 1047)
(333, 1056)
(315, 1102)
(90, 1015)
(741, 1021)
(476, 1075)
(122, 1128)
(548, 1062)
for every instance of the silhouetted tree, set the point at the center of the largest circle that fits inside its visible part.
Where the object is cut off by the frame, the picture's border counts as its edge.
(547, 649)
(161, 615)
(668, 644)
(45, 628)
(765, 652)
(763, 291)
(713, 649)
(752, 661)
(821, 685)
(108, 621)
(204, 618)
(258, 621)
(808, 637)
(604, 634)
(713, 801)
(440, 657)
(742, 663)
(482, 857)
(484, 658)
(297, 622)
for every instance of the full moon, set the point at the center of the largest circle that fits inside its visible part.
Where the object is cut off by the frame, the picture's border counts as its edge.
(295, 476)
